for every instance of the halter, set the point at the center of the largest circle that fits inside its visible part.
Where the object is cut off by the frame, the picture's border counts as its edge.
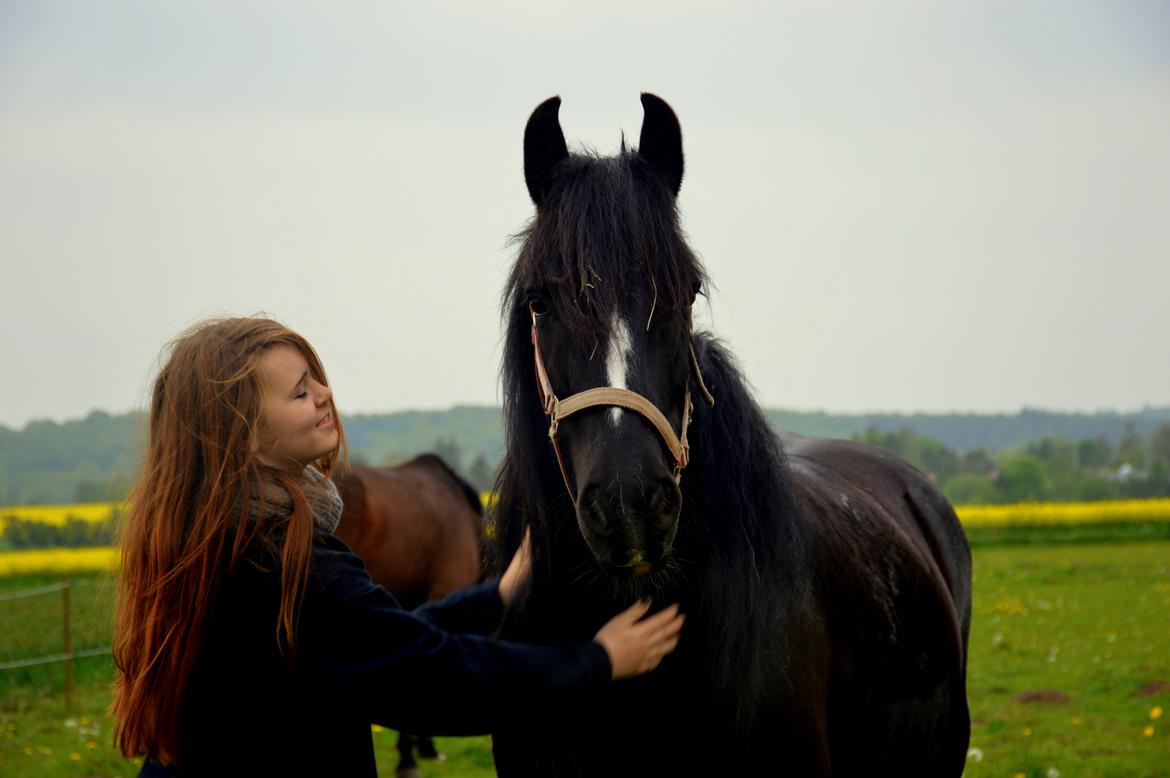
(558, 410)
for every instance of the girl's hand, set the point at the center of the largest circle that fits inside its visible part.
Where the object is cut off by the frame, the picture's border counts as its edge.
(636, 647)
(519, 569)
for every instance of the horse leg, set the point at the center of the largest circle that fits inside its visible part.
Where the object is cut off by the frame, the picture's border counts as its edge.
(407, 767)
(427, 750)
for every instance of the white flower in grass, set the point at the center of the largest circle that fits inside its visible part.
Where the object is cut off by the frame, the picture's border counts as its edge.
(976, 754)
(1053, 773)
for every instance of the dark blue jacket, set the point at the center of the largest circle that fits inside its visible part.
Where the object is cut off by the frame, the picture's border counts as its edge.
(361, 659)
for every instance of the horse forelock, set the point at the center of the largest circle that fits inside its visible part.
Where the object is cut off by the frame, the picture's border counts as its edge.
(606, 236)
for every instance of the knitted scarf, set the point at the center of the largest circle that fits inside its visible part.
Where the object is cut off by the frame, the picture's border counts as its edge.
(322, 495)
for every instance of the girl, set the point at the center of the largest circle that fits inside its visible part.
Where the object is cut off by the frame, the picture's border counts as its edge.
(250, 640)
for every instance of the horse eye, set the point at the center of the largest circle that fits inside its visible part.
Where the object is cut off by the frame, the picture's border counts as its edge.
(537, 306)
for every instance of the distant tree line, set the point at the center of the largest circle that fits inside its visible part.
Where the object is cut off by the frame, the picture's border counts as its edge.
(1051, 468)
(95, 459)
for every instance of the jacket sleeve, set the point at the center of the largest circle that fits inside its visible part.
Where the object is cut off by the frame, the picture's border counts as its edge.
(359, 649)
(475, 610)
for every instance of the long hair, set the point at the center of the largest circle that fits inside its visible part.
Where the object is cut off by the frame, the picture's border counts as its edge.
(189, 521)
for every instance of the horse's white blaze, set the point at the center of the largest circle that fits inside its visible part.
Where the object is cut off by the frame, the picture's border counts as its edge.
(617, 360)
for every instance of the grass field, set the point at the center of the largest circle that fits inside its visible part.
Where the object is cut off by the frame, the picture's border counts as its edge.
(1069, 671)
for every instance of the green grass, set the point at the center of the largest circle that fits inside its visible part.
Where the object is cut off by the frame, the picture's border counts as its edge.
(1087, 625)
(1052, 534)
(1088, 621)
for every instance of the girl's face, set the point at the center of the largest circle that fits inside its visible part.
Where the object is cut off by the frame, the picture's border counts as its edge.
(296, 420)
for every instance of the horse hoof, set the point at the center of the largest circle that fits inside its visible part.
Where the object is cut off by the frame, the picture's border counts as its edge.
(408, 772)
(434, 757)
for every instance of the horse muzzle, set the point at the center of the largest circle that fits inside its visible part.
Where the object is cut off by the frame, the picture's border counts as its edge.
(630, 527)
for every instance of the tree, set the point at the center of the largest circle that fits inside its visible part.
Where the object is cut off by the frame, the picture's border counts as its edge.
(976, 461)
(970, 489)
(1056, 453)
(1095, 488)
(926, 454)
(1131, 450)
(1094, 453)
(1024, 478)
(480, 474)
(1160, 444)
(449, 450)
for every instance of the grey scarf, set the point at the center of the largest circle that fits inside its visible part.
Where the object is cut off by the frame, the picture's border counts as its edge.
(322, 495)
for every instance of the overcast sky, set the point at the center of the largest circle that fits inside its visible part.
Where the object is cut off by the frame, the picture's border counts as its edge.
(904, 206)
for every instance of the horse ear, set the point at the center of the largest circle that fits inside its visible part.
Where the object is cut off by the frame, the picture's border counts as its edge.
(544, 147)
(661, 141)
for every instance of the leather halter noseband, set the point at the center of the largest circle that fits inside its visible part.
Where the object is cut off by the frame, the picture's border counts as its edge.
(557, 410)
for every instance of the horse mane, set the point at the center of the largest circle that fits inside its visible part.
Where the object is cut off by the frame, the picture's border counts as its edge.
(739, 566)
(740, 511)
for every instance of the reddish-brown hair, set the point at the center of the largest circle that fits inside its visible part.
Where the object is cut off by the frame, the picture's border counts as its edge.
(188, 522)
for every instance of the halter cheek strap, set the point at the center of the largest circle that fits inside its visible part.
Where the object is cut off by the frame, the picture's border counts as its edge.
(612, 396)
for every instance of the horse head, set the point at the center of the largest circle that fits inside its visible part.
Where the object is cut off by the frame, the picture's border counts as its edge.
(599, 310)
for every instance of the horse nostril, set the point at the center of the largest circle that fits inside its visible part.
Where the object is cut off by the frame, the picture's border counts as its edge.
(593, 510)
(666, 501)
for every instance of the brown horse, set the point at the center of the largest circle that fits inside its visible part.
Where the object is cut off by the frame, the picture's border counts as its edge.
(418, 527)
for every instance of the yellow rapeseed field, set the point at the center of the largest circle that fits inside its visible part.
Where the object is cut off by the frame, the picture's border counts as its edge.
(58, 560)
(976, 516)
(21, 562)
(1065, 513)
(56, 514)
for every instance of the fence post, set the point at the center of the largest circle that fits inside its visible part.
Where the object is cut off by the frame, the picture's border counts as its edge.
(68, 645)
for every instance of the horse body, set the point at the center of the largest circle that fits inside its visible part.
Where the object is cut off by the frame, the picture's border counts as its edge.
(893, 583)
(417, 526)
(827, 584)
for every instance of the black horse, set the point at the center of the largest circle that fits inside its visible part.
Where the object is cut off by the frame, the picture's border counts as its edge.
(827, 584)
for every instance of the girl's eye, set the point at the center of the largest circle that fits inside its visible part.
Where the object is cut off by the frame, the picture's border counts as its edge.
(303, 393)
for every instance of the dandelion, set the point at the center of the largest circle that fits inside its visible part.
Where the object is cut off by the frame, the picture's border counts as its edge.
(1052, 773)
(1076, 721)
(45, 750)
(1148, 731)
(91, 745)
(1027, 732)
(1019, 775)
(976, 754)
(1156, 712)
(76, 757)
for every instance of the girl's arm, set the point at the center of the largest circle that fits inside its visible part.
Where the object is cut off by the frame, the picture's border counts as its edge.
(480, 609)
(359, 650)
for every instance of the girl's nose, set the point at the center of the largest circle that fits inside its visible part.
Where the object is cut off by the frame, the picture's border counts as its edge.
(324, 395)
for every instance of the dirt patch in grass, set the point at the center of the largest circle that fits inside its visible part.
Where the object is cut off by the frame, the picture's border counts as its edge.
(1045, 696)
(1152, 688)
